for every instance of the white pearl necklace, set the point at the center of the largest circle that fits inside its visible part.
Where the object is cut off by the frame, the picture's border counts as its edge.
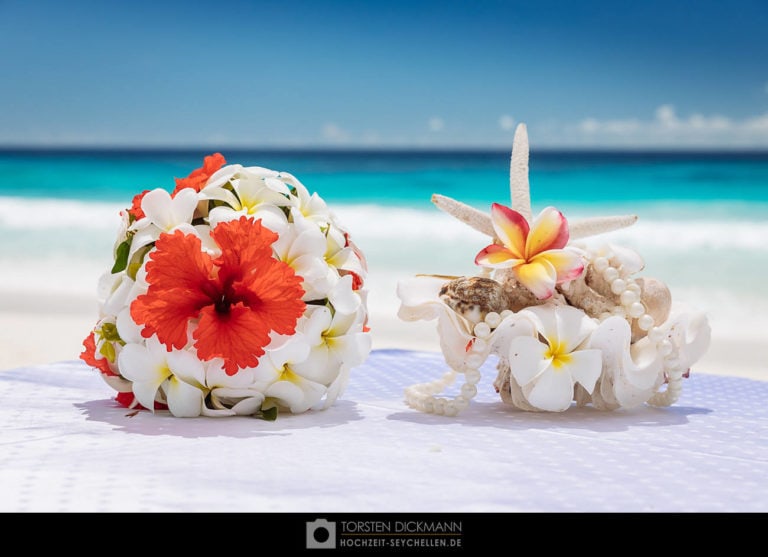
(423, 395)
(626, 288)
(629, 293)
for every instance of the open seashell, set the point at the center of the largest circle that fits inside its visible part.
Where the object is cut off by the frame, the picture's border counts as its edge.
(474, 297)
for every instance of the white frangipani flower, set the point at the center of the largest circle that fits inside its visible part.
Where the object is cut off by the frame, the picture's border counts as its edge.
(232, 395)
(302, 246)
(255, 194)
(163, 214)
(342, 255)
(336, 339)
(312, 206)
(547, 367)
(277, 377)
(179, 373)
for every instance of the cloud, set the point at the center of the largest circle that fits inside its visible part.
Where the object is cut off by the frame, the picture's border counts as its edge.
(506, 122)
(333, 133)
(667, 128)
(436, 124)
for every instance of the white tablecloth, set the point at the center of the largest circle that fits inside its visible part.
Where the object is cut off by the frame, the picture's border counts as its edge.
(67, 446)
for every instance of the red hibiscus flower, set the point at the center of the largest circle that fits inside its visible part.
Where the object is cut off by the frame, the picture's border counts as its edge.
(237, 299)
(199, 176)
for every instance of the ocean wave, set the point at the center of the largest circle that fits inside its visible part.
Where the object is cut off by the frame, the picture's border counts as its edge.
(382, 223)
(404, 229)
(22, 213)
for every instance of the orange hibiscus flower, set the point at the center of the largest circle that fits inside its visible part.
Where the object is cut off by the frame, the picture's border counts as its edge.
(199, 176)
(236, 300)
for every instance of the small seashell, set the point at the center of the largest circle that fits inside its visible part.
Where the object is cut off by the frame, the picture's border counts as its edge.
(474, 297)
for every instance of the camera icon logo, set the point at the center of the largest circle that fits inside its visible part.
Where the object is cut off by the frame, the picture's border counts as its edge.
(321, 534)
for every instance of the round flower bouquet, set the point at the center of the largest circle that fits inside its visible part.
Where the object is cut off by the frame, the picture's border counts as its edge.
(237, 294)
(568, 321)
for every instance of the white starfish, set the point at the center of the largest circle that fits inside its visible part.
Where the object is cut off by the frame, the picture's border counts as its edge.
(521, 200)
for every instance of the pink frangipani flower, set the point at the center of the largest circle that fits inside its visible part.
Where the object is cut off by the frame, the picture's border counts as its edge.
(534, 253)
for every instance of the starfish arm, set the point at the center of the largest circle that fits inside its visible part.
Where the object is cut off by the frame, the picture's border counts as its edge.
(599, 225)
(468, 215)
(518, 174)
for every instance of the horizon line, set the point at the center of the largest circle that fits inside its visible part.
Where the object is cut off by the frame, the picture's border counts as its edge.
(383, 149)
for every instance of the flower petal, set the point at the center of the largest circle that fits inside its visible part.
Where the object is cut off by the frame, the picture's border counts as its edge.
(552, 390)
(497, 257)
(249, 406)
(298, 395)
(343, 298)
(573, 326)
(184, 400)
(136, 364)
(538, 276)
(568, 264)
(187, 367)
(527, 359)
(549, 231)
(545, 319)
(511, 228)
(239, 337)
(585, 366)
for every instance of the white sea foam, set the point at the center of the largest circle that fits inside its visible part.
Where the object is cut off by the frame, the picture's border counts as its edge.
(21, 214)
(377, 223)
(65, 238)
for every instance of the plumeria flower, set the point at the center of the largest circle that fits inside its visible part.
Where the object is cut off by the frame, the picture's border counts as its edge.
(254, 195)
(343, 255)
(302, 247)
(336, 339)
(280, 379)
(232, 303)
(548, 366)
(534, 254)
(179, 372)
(311, 206)
(163, 213)
(231, 395)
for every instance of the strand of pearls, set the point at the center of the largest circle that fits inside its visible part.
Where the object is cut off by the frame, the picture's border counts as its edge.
(673, 371)
(629, 293)
(423, 397)
(626, 288)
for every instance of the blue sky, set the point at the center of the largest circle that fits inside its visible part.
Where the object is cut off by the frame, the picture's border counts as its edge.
(415, 73)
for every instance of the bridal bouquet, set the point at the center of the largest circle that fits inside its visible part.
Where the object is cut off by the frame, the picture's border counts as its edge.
(238, 293)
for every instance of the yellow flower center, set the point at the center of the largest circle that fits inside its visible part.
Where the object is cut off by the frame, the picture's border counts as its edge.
(288, 375)
(559, 356)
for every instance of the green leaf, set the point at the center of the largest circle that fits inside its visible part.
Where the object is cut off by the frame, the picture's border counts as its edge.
(121, 257)
(270, 414)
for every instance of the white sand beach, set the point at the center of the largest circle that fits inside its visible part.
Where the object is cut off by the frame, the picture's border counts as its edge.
(42, 328)
(48, 304)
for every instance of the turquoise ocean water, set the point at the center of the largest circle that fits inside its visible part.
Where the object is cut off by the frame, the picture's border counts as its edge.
(703, 218)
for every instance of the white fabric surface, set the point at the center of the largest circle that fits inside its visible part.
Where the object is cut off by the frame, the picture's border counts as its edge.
(67, 446)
